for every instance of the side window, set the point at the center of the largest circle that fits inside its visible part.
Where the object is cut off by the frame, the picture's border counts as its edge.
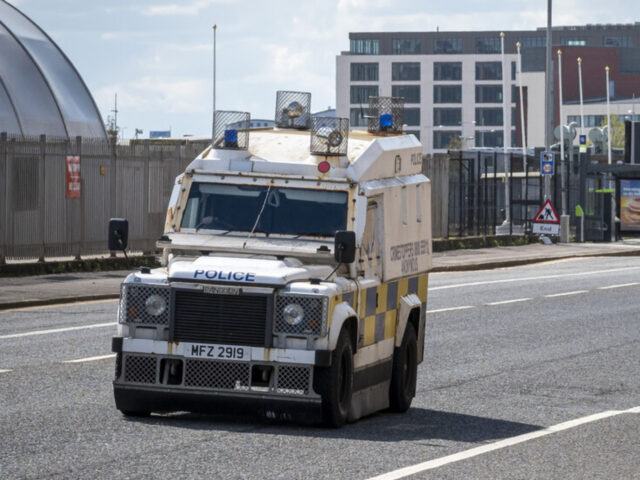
(404, 206)
(372, 247)
(419, 202)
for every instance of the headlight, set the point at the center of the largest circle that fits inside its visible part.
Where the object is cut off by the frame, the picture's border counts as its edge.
(293, 314)
(155, 305)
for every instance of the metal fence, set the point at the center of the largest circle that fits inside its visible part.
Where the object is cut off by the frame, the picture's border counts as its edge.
(477, 200)
(134, 181)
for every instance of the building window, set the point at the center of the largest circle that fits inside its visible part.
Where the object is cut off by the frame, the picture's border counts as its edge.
(364, 72)
(411, 117)
(488, 45)
(573, 41)
(364, 47)
(405, 71)
(618, 42)
(513, 116)
(447, 71)
(361, 93)
(410, 93)
(489, 116)
(533, 42)
(356, 117)
(447, 94)
(447, 45)
(488, 93)
(444, 138)
(447, 116)
(489, 139)
(413, 132)
(488, 71)
(589, 120)
(513, 70)
(406, 46)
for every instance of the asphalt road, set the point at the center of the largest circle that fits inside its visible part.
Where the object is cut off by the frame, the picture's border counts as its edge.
(509, 353)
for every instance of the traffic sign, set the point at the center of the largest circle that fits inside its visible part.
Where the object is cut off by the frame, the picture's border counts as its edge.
(547, 214)
(547, 162)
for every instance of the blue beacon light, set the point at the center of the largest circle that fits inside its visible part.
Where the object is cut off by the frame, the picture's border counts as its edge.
(385, 120)
(231, 138)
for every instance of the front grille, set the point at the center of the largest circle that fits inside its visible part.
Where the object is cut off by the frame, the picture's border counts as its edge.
(222, 375)
(227, 319)
(133, 308)
(140, 369)
(315, 310)
(293, 380)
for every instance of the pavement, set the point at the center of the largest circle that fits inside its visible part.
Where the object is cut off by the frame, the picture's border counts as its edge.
(32, 291)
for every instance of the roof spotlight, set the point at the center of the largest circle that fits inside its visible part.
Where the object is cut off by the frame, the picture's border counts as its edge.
(332, 137)
(293, 110)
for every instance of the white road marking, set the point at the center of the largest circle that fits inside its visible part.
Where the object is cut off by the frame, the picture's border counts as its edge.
(57, 330)
(507, 442)
(541, 277)
(5, 371)
(90, 359)
(564, 294)
(504, 302)
(57, 305)
(618, 286)
(450, 309)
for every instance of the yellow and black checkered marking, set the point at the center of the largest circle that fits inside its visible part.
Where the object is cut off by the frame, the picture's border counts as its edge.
(379, 306)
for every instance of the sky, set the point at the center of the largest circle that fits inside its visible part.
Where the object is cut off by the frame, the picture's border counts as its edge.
(157, 55)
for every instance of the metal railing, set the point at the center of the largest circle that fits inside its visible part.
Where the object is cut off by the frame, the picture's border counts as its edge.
(134, 181)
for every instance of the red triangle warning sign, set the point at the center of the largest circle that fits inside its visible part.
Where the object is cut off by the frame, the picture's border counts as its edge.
(546, 214)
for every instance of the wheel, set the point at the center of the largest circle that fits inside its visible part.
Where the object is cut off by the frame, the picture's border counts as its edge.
(405, 372)
(335, 383)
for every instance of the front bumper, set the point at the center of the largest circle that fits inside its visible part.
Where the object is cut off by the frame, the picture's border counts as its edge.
(153, 376)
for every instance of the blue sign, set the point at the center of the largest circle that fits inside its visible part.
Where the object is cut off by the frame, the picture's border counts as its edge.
(583, 140)
(160, 134)
(547, 163)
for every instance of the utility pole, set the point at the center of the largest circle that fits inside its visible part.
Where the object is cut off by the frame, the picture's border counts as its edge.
(549, 95)
(213, 125)
(505, 134)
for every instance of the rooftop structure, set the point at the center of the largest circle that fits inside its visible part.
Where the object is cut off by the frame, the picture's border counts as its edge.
(40, 90)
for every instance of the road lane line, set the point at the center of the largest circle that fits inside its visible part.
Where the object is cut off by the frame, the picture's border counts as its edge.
(541, 277)
(507, 442)
(618, 286)
(57, 330)
(5, 371)
(564, 294)
(90, 359)
(56, 305)
(450, 309)
(504, 302)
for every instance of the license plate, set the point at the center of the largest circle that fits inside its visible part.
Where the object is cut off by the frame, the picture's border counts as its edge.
(217, 352)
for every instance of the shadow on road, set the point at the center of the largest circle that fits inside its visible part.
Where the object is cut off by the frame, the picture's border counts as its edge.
(416, 424)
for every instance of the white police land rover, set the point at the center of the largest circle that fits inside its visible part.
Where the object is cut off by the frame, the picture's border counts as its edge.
(293, 279)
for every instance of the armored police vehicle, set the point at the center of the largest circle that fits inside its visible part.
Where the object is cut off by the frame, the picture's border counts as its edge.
(294, 273)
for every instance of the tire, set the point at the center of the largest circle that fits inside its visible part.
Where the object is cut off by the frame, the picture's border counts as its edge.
(405, 372)
(335, 383)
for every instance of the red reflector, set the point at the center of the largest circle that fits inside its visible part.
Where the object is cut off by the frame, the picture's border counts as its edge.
(324, 166)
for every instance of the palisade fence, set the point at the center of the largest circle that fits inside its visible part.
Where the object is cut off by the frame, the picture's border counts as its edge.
(133, 181)
(477, 196)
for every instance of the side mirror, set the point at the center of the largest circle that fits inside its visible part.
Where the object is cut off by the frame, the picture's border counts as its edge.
(344, 249)
(118, 233)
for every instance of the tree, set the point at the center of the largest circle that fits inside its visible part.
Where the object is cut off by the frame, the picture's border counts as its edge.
(617, 131)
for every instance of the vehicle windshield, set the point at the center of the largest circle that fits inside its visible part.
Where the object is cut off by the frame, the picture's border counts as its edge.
(288, 211)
